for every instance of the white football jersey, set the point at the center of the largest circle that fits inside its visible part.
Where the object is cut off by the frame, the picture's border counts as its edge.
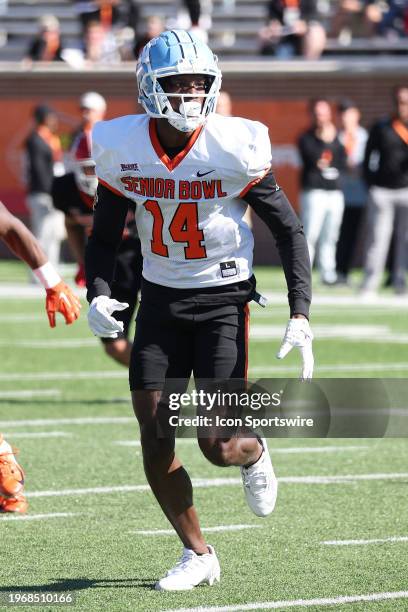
(189, 214)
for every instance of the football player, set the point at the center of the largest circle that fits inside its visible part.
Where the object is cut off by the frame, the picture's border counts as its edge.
(191, 174)
(74, 195)
(59, 298)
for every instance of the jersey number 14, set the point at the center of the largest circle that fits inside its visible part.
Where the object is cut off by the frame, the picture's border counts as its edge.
(183, 228)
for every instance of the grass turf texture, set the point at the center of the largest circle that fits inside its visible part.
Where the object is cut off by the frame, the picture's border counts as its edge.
(96, 553)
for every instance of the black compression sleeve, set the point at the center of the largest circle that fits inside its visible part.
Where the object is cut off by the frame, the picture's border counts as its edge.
(108, 224)
(272, 206)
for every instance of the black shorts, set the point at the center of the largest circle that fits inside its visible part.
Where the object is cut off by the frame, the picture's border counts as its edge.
(180, 332)
(126, 284)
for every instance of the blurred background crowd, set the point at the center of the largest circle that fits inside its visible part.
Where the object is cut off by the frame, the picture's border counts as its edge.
(353, 183)
(352, 194)
(81, 33)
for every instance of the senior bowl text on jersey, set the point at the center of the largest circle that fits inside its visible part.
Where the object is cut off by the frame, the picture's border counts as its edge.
(196, 222)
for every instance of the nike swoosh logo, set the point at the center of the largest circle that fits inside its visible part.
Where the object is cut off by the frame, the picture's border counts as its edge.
(200, 174)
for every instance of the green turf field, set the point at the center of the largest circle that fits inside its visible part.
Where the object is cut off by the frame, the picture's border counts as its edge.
(66, 406)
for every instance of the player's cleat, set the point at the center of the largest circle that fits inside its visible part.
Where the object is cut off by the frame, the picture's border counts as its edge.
(190, 571)
(14, 504)
(260, 483)
(11, 474)
(80, 279)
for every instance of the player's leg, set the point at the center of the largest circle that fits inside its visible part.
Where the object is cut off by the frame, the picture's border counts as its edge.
(162, 351)
(329, 236)
(401, 242)
(11, 480)
(160, 364)
(313, 211)
(381, 219)
(221, 353)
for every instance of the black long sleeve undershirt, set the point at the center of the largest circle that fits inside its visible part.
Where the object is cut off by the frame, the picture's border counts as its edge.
(108, 223)
(272, 206)
(267, 200)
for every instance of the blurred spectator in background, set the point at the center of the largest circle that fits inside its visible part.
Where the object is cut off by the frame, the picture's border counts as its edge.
(362, 18)
(386, 172)
(44, 161)
(93, 109)
(224, 104)
(354, 18)
(391, 18)
(354, 138)
(293, 29)
(100, 44)
(322, 201)
(154, 27)
(3, 32)
(46, 46)
(105, 12)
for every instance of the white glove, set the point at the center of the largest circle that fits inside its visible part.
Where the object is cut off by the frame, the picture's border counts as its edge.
(100, 321)
(299, 334)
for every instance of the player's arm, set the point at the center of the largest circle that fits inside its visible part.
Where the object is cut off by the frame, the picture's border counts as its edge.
(100, 255)
(271, 204)
(20, 240)
(27, 248)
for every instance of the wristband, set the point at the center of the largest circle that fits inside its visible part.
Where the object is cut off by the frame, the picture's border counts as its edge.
(47, 275)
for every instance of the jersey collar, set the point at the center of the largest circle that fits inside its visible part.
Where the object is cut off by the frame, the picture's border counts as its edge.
(172, 163)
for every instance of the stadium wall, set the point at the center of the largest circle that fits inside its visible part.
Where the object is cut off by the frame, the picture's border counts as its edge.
(276, 93)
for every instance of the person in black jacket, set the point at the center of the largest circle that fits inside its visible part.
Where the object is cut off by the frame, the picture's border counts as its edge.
(322, 201)
(386, 172)
(44, 161)
(46, 46)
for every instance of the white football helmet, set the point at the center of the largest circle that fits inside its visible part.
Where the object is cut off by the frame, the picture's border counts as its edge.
(172, 53)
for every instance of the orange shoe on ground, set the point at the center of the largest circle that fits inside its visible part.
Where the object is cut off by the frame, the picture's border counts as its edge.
(13, 504)
(11, 474)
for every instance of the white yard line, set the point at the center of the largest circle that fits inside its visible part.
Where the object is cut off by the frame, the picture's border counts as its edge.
(254, 370)
(73, 375)
(29, 393)
(298, 603)
(258, 333)
(71, 343)
(201, 483)
(171, 532)
(36, 434)
(68, 421)
(317, 449)
(365, 542)
(21, 318)
(27, 291)
(388, 301)
(277, 451)
(37, 517)
(351, 333)
(335, 367)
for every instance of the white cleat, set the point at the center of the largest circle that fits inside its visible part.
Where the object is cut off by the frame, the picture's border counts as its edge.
(190, 571)
(260, 483)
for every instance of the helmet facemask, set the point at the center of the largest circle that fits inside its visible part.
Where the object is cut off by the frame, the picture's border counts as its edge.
(194, 59)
